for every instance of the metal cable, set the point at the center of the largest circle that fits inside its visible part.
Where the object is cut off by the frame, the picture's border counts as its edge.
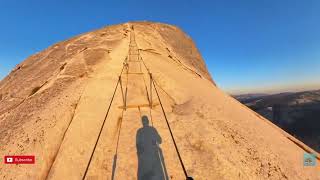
(174, 142)
(165, 116)
(116, 154)
(94, 148)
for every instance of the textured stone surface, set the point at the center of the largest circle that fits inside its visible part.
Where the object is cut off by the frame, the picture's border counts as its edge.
(52, 105)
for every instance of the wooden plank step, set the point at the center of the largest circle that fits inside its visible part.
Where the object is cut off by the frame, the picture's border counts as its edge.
(138, 105)
(134, 73)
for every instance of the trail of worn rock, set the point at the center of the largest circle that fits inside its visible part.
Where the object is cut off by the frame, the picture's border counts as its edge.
(119, 154)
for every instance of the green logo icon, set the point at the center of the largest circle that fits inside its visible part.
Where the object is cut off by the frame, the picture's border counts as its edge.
(309, 159)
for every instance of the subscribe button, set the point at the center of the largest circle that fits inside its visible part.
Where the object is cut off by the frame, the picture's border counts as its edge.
(19, 159)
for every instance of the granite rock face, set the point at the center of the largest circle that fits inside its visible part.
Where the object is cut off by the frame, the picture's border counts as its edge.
(53, 105)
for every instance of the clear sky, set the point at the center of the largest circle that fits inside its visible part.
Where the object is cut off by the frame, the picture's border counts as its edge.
(248, 45)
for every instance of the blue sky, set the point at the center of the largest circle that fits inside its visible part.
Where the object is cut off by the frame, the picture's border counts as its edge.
(248, 45)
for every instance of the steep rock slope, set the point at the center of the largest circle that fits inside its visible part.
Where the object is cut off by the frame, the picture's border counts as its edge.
(53, 106)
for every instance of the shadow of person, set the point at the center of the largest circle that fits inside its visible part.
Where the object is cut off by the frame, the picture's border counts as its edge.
(151, 164)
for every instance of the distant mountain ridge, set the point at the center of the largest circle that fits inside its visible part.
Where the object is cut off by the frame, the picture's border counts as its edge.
(296, 112)
(242, 97)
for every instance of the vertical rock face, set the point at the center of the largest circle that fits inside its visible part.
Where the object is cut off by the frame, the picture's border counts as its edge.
(55, 105)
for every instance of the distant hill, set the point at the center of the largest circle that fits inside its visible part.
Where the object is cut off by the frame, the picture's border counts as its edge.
(243, 97)
(297, 113)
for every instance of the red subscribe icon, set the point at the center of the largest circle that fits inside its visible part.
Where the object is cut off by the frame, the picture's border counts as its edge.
(19, 159)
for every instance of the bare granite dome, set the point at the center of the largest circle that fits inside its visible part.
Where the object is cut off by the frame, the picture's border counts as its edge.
(57, 106)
